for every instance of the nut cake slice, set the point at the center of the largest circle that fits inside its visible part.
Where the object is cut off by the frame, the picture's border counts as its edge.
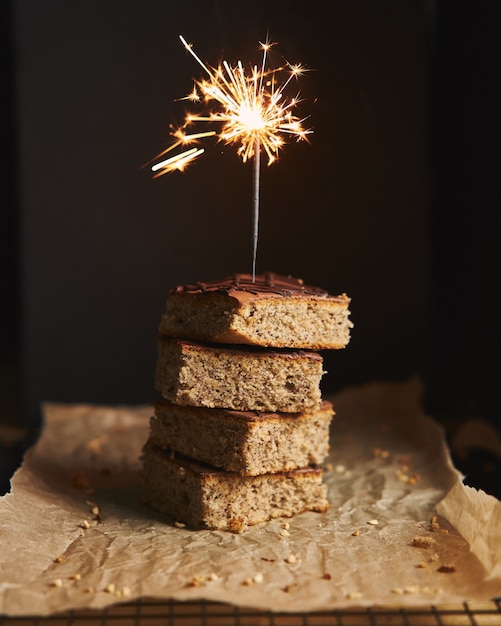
(271, 311)
(203, 497)
(246, 442)
(240, 378)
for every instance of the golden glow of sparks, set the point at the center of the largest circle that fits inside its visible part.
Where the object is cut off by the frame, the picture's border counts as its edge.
(250, 109)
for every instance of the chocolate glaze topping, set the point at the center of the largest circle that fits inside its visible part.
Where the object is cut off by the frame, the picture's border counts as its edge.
(267, 283)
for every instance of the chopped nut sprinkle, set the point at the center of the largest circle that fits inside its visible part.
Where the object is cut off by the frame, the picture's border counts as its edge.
(110, 588)
(85, 524)
(447, 569)
(60, 559)
(373, 522)
(75, 577)
(422, 542)
(57, 582)
(355, 533)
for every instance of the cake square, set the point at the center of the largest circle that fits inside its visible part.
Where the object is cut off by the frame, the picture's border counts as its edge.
(240, 378)
(201, 496)
(246, 442)
(268, 310)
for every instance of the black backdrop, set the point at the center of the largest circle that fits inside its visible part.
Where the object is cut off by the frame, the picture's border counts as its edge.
(393, 200)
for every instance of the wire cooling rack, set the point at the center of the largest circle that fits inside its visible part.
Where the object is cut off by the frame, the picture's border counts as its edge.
(172, 613)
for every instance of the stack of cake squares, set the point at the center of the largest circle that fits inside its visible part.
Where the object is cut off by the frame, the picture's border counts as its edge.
(241, 429)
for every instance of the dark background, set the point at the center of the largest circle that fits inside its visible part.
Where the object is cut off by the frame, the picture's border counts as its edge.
(395, 200)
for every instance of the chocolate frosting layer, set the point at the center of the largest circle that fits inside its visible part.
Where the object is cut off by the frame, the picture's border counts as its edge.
(268, 283)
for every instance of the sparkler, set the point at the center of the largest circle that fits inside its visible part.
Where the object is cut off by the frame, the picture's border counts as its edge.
(252, 111)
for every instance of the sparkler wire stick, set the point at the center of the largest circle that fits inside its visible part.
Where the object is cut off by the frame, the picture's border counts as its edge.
(255, 213)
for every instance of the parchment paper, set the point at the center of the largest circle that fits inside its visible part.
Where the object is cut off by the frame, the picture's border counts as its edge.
(402, 529)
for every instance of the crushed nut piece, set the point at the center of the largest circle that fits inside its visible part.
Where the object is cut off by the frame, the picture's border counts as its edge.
(110, 588)
(292, 558)
(257, 578)
(447, 569)
(422, 542)
(355, 533)
(434, 525)
(85, 524)
(411, 589)
(75, 577)
(284, 532)
(354, 595)
(80, 480)
(60, 559)
(421, 565)
(373, 522)
(125, 592)
(57, 582)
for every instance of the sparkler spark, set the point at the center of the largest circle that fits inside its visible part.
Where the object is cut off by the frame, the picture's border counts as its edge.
(251, 111)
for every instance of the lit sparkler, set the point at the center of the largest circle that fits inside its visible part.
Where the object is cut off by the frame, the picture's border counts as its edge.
(253, 114)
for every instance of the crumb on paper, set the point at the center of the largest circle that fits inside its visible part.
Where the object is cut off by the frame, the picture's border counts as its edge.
(434, 525)
(179, 524)
(80, 480)
(284, 532)
(422, 542)
(57, 582)
(96, 444)
(383, 454)
(412, 589)
(85, 525)
(292, 558)
(289, 588)
(327, 576)
(373, 522)
(256, 579)
(421, 565)
(60, 559)
(446, 569)
(75, 577)
(110, 588)
(355, 533)
(353, 595)
(200, 580)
